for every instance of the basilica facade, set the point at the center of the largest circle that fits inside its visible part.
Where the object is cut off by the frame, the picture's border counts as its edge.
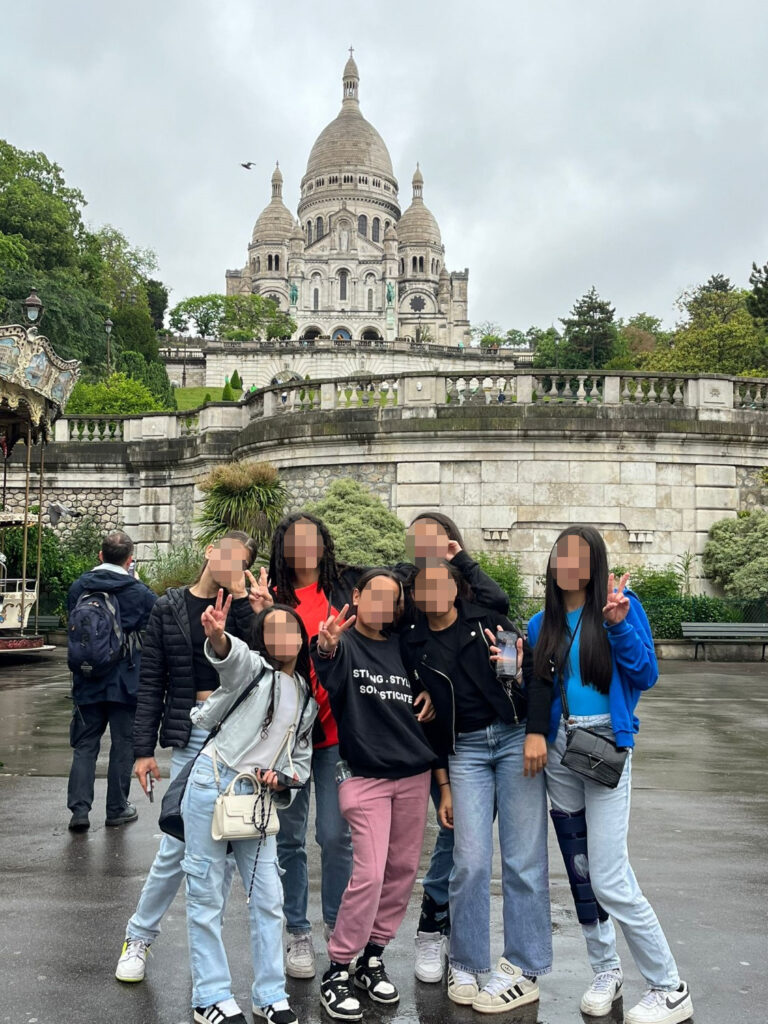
(352, 266)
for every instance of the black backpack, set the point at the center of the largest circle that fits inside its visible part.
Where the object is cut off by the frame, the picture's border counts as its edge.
(96, 641)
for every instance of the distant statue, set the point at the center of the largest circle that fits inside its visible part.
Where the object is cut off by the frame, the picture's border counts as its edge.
(390, 293)
(344, 240)
(294, 293)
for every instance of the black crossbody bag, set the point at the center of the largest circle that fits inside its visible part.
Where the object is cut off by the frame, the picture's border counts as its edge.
(587, 752)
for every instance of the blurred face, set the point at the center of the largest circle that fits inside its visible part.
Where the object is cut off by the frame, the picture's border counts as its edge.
(570, 563)
(227, 561)
(425, 539)
(282, 636)
(303, 545)
(434, 590)
(377, 605)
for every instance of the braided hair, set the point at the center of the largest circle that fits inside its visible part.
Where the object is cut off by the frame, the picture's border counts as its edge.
(281, 573)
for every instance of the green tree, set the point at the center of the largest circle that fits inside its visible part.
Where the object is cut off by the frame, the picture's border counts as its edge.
(247, 496)
(505, 570)
(157, 298)
(551, 350)
(204, 312)
(590, 330)
(116, 270)
(132, 329)
(236, 382)
(757, 298)
(37, 206)
(117, 395)
(364, 530)
(485, 329)
(736, 555)
(227, 394)
(638, 336)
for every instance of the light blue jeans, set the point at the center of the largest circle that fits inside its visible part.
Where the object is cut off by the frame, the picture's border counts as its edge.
(331, 835)
(435, 882)
(487, 770)
(166, 874)
(613, 881)
(204, 865)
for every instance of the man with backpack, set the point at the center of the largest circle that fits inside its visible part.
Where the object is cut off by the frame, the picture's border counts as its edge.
(107, 607)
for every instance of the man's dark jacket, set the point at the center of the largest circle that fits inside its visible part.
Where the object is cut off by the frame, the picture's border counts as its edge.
(167, 687)
(135, 601)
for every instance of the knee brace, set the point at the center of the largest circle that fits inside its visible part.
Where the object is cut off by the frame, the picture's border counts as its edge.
(571, 832)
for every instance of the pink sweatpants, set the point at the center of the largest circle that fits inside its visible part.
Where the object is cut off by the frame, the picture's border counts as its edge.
(386, 818)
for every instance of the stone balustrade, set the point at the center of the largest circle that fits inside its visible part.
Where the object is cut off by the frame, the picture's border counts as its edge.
(707, 394)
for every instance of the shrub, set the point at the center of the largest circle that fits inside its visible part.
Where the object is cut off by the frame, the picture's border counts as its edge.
(652, 583)
(505, 570)
(179, 566)
(227, 395)
(364, 530)
(247, 496)
(736, 554)
(117, 395)
(236, 382)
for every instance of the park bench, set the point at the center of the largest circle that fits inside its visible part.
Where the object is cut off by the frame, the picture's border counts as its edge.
(702, 633)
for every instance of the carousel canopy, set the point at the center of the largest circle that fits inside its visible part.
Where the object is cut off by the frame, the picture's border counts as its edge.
(35, 384)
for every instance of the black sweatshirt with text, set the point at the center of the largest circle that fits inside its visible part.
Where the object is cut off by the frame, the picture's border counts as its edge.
(372, 702)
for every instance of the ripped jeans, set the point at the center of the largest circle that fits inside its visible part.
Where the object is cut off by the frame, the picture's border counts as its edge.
(204, 865)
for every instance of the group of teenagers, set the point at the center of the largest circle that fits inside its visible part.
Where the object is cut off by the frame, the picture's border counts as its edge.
(383, 687)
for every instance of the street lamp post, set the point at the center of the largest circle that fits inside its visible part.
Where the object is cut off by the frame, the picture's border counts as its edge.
(33, 310)
(108, 328)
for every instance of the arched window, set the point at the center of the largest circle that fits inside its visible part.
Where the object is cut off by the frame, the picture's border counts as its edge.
(309, 232)
(319, 228)
(402, 266)
(316, 299)
(269, 262)
(370, 300)
(414, 264)
(343, 275)
(421, 264)
(386, 224)
(277, 262)
(362, 225)
(375, 229)
(258, 264)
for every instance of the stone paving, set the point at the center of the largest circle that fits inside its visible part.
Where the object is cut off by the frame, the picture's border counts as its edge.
(698, 840)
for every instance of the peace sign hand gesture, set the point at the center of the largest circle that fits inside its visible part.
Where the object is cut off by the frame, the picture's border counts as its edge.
(214, 621)
(329, 631)
(617, 605)
(259, 596)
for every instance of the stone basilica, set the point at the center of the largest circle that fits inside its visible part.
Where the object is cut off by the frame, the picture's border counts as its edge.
(353, 267)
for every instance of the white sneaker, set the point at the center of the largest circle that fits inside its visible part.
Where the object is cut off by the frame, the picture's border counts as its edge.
(300, 956)
(661, 1007)
(462, 986)
(506, 989)
(431, 954)
(602, 993)
(132, 964)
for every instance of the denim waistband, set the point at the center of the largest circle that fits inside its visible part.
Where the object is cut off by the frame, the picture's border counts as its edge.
(590, 721)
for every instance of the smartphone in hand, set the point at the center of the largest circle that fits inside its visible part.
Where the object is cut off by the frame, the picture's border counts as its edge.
(149, 786)
(506, 640)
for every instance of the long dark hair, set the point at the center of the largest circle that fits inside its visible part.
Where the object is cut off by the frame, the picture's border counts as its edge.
(595, 661)
(371, 574)
(257, 643)
(454, 533)
(280, 572)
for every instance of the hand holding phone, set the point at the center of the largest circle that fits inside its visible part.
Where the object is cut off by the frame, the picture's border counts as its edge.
(507, 662)
(149, 786)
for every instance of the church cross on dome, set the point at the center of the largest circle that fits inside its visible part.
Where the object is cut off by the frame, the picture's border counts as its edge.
(351, 78)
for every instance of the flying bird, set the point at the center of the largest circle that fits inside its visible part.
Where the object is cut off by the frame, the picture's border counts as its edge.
(57, 511)
(249, 165)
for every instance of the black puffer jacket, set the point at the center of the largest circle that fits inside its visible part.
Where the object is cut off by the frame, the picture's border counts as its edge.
(167, 684)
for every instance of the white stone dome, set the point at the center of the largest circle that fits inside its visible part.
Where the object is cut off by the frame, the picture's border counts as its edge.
(275, 222)
(417, 226)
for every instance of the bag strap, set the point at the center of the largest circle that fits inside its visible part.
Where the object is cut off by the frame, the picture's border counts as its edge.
(563, 698)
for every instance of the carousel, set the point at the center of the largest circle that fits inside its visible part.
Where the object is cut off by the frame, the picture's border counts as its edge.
(35, 385)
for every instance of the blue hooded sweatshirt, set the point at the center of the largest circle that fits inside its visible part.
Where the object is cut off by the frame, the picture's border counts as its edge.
(634, 669)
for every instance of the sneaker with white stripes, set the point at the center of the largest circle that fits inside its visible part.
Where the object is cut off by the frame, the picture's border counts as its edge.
(300, 956)
(462, 986)
(506, 989)
(337, 997)
(132, 964)
(224, 1012)
(276, 1013)
(431, 954)
(602, 993)
(659, 1006)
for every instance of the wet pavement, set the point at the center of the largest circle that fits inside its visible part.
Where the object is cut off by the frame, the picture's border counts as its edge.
(698, 840)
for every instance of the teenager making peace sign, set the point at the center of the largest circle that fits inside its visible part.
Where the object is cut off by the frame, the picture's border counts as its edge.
(594, 637)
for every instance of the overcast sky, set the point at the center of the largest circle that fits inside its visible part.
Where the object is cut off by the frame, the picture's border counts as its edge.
(563, 144)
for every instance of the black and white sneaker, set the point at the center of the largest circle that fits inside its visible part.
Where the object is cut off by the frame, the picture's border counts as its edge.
(226, 1012)
(276, 1013)
(371, 976)
(338, 999)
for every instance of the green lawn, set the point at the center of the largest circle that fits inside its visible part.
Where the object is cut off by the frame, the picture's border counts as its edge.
(191, 398)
